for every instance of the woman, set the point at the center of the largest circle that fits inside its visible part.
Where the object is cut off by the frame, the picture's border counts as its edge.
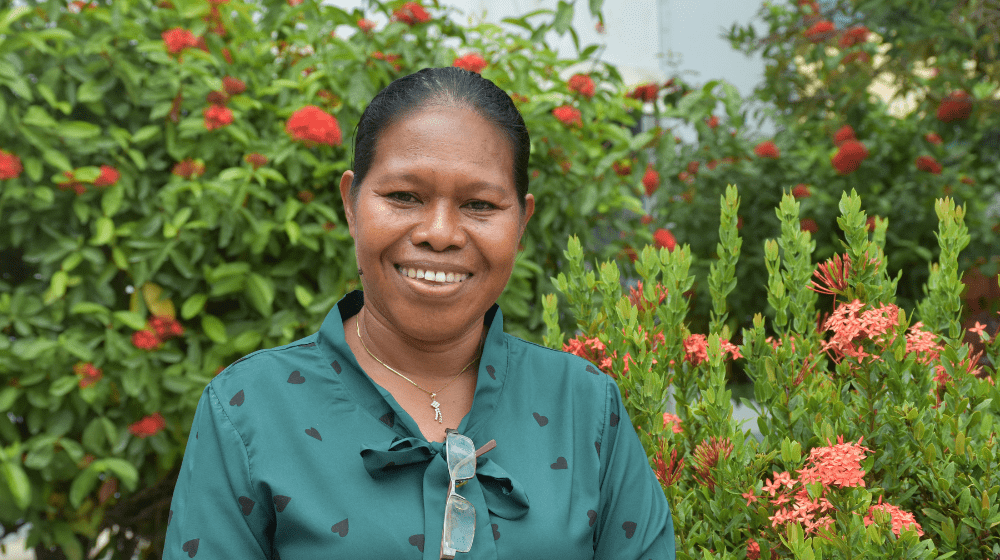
(335, 446)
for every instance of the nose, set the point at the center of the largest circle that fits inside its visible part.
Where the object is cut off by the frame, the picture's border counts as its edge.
(440, 227)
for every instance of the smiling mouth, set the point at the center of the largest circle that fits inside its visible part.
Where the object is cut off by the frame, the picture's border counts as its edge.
(432, 276)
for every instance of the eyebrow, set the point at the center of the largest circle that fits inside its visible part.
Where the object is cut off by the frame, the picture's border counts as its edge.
(414, 178)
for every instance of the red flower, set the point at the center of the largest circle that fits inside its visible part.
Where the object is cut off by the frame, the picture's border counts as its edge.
(853, 36)
(663, 238)
(968, 180)
(583, 84)
(313, 125)
(306, 196)
(870, 223)
(809, 225)
(849, 157)
(767, 149)
(712, 121)
(10, 165)
(227, 55)
(753, 550)
(928, 164)
(900, 519)
(145, 340)
(623, 168)
(256, 160)
(843, 135)
(366, 25)
(820, 31)
(646, 219)
(148, 426)
(188, 168)
(411, 13)
(471, 62)
(646, 92)
(693, 166)
(933, 138)
(178, 39)
(568, 115)
(165, 327)
(801, 191)
(216, 98)
(650, 180)
(233, 86)
(294, 3)
(217, 116)
(109, 176)
(518, 98)
(88, 374)
(955, 107)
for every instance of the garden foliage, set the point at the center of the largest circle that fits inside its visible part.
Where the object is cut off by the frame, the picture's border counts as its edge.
(169, 202)
(829, 65)
(877, 428)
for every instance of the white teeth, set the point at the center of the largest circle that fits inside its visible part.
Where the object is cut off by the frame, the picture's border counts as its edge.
(431, 276)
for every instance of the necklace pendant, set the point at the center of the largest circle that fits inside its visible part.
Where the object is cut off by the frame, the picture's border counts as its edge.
(437, 411)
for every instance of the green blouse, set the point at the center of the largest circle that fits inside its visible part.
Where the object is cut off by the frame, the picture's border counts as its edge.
(296, 454)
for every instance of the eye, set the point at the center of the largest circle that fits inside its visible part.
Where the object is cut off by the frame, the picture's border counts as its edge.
(401, 196)
(480, 205)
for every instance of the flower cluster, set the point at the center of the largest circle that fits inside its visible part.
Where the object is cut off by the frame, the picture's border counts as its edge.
(645, 92)
(662, 238)
(312, 125)
(107, 177)
(849, 157)
(820, 31)
(767, 149)
(696, 349)
(673, 422)
(650, 180)
(148, 426)
(955, 107)
(568, 115)
(928, 164)
(706, 456)
(411, 13)
(88, 374)
(471, 62)
(189, 168)
(256, 160)
(10, 165)
(851, 326)
(638, 299)
(853, 36)
(901, 520)
(582, 84)
(158, 329)
(178, 39)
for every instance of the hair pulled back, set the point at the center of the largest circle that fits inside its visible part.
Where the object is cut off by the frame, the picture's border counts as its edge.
(447, 87)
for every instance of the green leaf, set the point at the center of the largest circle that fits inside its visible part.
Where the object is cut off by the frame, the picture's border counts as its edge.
(564, 17)
(30, 348)
(36, 116)
(193, 305)
(57, 160)
(18, 482)
(596, 7)
(132, 320)
(8, 396)
(214, 329)
(111, 200)
(78, 130)
(104, 231)
(83, 485)
(63, 385)
(124, 470)
(303, 295)
(260, 291)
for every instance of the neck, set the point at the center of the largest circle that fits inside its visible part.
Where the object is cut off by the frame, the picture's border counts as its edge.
(430, 361)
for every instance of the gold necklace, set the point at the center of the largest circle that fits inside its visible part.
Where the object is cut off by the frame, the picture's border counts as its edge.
(434, 404)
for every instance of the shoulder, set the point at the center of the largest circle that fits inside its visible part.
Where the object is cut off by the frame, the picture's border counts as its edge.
(555, 365)
(266, 365)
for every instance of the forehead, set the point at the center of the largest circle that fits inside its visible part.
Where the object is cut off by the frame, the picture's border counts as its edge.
(446, 137)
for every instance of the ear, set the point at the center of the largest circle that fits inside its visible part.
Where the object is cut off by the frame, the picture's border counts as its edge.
(529, 210)
(345, 195)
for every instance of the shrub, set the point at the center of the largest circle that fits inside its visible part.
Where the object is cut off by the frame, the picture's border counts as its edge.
(876, 430)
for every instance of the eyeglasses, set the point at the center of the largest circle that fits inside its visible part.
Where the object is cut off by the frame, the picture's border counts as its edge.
(459, 514)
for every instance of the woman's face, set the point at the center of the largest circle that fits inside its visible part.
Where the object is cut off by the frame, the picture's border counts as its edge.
(439, 201)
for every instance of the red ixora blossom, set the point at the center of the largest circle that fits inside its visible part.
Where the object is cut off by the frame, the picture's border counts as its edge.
(650, 180)
(808, 224)
(712, 121)
(148, 426)
(933, 138)
(767, 149)
(10, 165)
(706, 456)
(88, 374)
(178, 39)
(857, 56)
(801, 191)
(622, 168)
(696, 349)
(753, 550)
(165, 327)
(188, 168)
(313, 125)
(673, 422)
(568, 115)
(217, 116)
(645, 92)
(145, 340)
(583, 84)
(928, 164)
(820, 31)
(366, 25)
(853, 36)
(849, 157)
(471, 62)
(663, 238)
(844, 134)
(836, 464)
(901, 520)
(411, 13)
(852, 325)
(233, 86)
(109, 176)
(256, 160)
(955, 107)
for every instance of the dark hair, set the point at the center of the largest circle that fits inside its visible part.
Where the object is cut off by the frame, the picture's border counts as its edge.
(441, 86)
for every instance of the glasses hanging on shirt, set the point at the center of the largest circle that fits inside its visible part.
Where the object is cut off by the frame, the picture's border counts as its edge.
(459, 514)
